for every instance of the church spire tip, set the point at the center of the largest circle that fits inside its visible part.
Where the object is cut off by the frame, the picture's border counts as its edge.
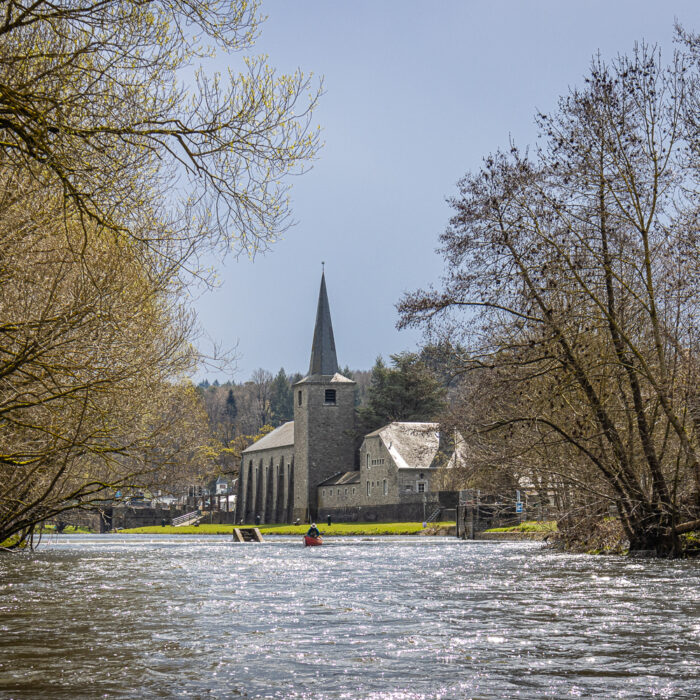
(323, 357)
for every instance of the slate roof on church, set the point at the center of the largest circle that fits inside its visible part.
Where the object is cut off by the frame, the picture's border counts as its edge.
(342, 478)
(412, 445)
(279, 437)
(323, 357)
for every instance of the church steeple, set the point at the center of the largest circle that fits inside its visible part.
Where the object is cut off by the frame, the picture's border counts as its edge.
(323, 358)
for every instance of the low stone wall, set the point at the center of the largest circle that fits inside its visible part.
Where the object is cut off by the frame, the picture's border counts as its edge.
(123, 517)
(220, 517)
(119, 517)
(409, 509)
(92, 520)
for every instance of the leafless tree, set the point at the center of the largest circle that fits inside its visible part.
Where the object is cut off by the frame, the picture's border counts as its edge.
(579, 268)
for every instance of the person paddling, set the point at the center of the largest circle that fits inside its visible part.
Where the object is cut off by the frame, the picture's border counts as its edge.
(313, 531)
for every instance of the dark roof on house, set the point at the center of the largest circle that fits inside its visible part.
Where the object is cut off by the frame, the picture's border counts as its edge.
(279, 437)
(323, 357)
(343, 478)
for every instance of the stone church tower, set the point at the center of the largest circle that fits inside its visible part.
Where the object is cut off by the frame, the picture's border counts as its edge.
(324, 417)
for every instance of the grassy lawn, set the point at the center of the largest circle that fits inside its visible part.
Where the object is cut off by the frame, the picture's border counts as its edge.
(528, 526)
(337, 529)
(47, 530)
(67, 530)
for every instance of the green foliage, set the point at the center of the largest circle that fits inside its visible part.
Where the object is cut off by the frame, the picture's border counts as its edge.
(231, 409)
(12, 542)
(281, 399)
(407, 391)
(446, 360)
(690, 540)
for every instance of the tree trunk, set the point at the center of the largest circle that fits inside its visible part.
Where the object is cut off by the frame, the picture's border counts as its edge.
(652, 534)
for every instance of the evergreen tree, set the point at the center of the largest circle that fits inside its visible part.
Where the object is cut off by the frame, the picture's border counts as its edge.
(408, 391)
(446, 360)
(231, 409)
(281, 399)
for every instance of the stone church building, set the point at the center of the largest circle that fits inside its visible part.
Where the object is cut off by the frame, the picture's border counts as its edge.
(306, 469)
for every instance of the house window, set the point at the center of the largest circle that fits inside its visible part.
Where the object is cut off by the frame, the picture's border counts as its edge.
(330, 396)
(339, 492)
(299, 398)
(386, 488)
(421, 486)
(368, 460)
(353, 490)
(368, 489)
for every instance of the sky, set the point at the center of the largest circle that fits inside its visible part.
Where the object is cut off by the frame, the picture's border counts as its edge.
(416, 95)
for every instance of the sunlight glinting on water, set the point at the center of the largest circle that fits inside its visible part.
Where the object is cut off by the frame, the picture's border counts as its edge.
(393, 618)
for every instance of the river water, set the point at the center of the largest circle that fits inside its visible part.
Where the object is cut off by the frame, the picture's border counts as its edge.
(384, 618)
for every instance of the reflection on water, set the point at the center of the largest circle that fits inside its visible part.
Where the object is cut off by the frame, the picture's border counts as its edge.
(400, 618)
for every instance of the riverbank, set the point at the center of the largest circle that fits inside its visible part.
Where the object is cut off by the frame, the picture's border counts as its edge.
(528, 530)
(335, 530)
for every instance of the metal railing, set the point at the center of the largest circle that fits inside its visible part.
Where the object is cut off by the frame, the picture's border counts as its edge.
(186, 518)
(433, 517)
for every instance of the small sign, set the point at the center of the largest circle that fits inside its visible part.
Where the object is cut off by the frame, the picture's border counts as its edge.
(519, 507)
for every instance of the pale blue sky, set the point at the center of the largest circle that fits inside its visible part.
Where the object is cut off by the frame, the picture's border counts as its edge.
(417, 93)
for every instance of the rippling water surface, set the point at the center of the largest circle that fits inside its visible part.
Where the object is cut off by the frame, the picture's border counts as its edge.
(400, 618)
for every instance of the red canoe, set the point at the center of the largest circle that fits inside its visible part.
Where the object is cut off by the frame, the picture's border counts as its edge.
(312, 541)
